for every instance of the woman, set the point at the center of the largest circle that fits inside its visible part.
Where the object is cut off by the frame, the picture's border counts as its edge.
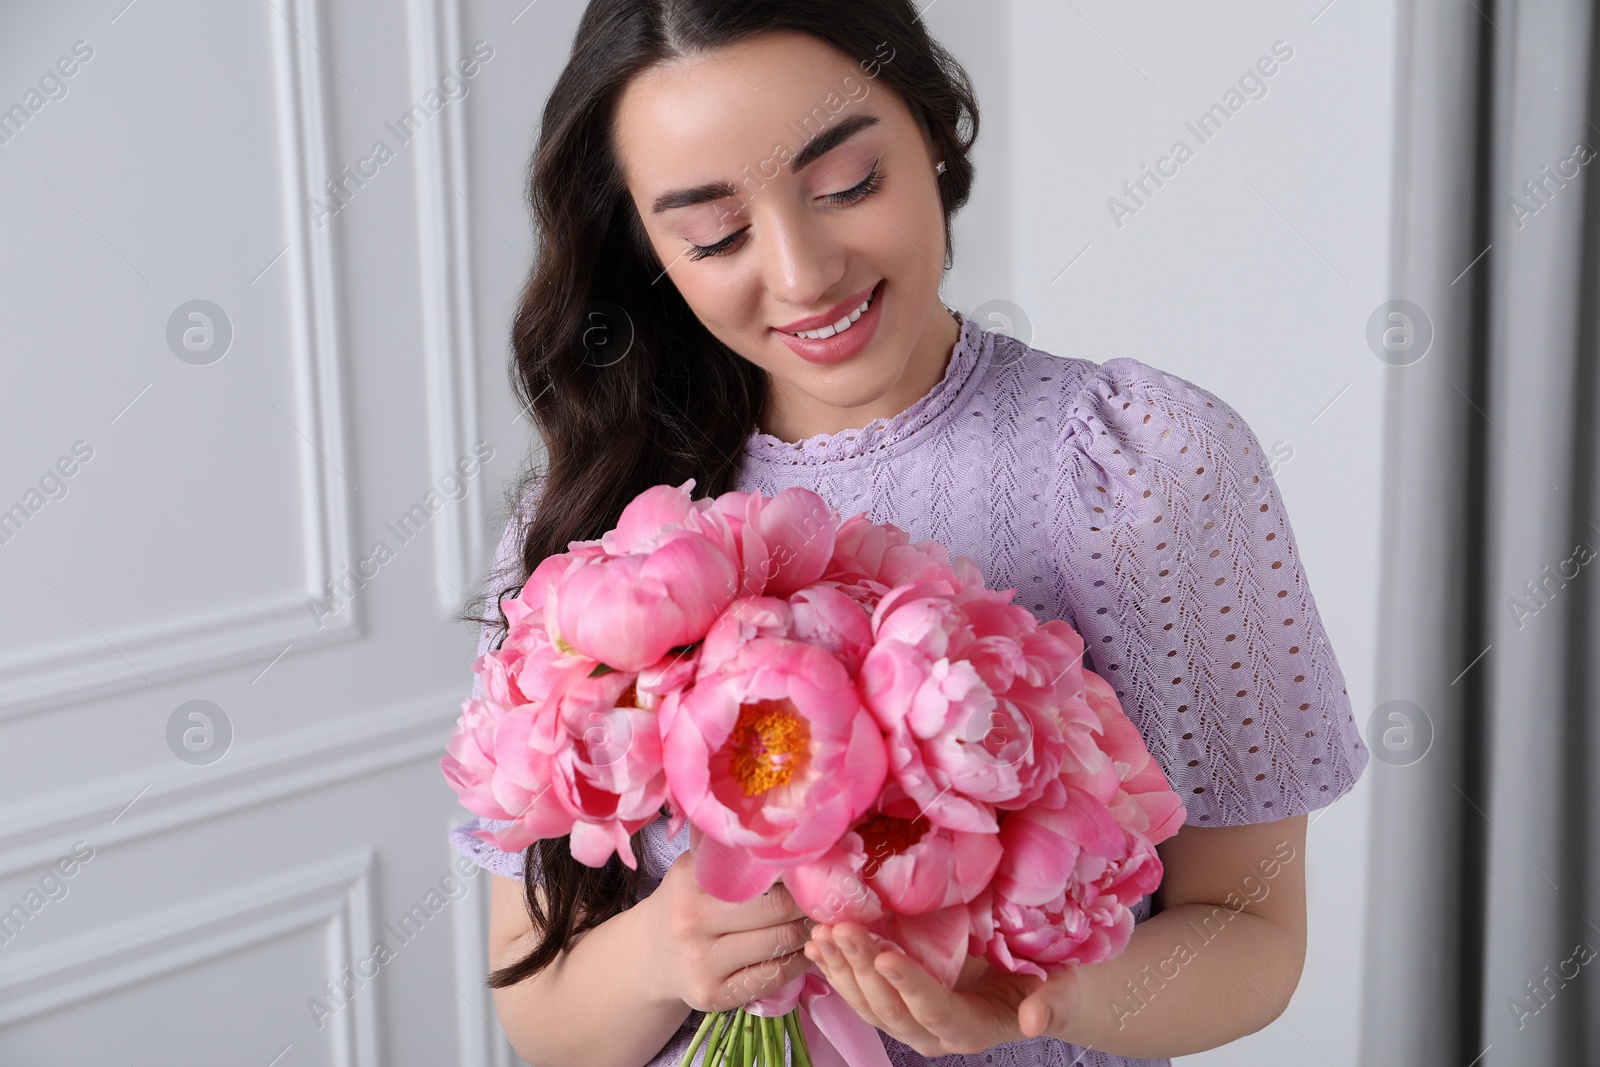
(743, 208)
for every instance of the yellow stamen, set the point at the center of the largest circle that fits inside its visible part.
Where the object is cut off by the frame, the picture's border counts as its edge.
(767, 745)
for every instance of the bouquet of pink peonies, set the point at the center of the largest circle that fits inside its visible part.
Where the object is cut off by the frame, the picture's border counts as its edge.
(839, 708)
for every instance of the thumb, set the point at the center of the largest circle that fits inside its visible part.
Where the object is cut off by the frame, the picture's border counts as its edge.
(1049, 1007)
(1034, 1015)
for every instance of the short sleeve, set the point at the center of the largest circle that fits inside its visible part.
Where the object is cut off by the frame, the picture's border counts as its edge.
(1182, 575)
(484, 854)
(506, 565)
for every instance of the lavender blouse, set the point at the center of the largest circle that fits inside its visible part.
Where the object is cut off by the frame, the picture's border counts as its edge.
(1140, 508)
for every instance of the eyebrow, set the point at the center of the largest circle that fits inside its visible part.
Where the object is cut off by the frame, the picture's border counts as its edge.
(809, 153)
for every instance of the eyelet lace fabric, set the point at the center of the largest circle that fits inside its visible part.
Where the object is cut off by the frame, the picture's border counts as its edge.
(1139, 507)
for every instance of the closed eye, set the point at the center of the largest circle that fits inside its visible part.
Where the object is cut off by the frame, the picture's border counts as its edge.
(846, 198)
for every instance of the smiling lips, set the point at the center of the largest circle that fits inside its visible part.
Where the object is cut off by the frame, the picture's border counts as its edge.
(837, 334)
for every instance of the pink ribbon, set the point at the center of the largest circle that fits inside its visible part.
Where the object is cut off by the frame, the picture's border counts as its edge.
(835, 1035)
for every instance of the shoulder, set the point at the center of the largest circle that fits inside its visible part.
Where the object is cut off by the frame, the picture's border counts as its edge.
(1119, 398)
(1124, 423)
(1126, 407)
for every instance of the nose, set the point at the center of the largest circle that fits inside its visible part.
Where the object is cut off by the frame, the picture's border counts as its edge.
(801, 261)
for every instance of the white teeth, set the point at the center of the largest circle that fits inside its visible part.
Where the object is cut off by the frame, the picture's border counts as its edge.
(839, 327)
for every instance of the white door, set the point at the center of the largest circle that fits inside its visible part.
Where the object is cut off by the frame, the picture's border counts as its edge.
(257, 262)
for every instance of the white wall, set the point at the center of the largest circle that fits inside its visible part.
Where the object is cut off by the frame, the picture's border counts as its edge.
(183, 158)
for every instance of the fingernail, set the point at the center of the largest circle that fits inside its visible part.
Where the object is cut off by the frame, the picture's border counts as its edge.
(852, 948)
(828, 948)
(1049, 1021)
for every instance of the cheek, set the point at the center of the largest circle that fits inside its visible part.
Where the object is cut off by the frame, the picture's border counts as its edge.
(916, 236)
(725, 298)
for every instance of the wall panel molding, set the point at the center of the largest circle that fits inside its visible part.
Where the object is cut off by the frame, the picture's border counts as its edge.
(449, 343)
(335, 895)
(479, 1039)
(40, 676)
(133, 806)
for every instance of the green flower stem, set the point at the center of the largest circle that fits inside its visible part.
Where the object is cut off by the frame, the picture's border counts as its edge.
(797, 1039)
(734, 1056)
(740, 1038)
(719, 1038)
(725, 1042)
(699, 1036)
(747, 1046)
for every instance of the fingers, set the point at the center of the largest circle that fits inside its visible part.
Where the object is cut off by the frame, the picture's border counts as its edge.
(852, 970)
(758, 961)
(769, 942)
(830, 960)
(760, 979)
(784, 908)
(771, 908)
(932, 1005)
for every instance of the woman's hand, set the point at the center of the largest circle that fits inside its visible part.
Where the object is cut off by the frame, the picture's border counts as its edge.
(714, 955)
(897, 995)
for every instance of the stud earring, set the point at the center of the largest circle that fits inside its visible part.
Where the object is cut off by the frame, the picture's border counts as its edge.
(940, 168)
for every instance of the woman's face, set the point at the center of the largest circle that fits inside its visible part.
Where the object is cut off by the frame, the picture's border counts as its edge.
(759, 233)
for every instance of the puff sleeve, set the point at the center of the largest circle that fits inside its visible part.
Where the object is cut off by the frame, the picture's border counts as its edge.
(506, 565)
(1182, 575)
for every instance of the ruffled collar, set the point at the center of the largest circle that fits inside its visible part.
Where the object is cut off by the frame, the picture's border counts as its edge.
(934, 406)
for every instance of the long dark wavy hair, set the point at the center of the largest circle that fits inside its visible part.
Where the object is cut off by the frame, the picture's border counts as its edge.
(679, 403)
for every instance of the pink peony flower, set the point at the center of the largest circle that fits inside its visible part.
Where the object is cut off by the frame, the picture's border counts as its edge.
(528, 609)
(894, 860)
(523, 789)
(826, 615)
(771, 756)
(1146, 801)
(1089, 922)
(628, 611)
(780, 543)
(829, 703)
(937, 940)
(582, 758)
(1068, 834)
(972, 695)
(1065, 887)
(742, 621)
(784, 541)
(935, 716)
(883, 553)
(611, 780)
(649, 516)
(468, 761)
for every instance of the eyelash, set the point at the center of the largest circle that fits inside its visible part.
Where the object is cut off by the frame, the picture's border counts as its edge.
(854, 195)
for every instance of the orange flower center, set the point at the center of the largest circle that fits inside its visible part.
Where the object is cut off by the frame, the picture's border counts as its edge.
(884, 837)
(767, 745)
